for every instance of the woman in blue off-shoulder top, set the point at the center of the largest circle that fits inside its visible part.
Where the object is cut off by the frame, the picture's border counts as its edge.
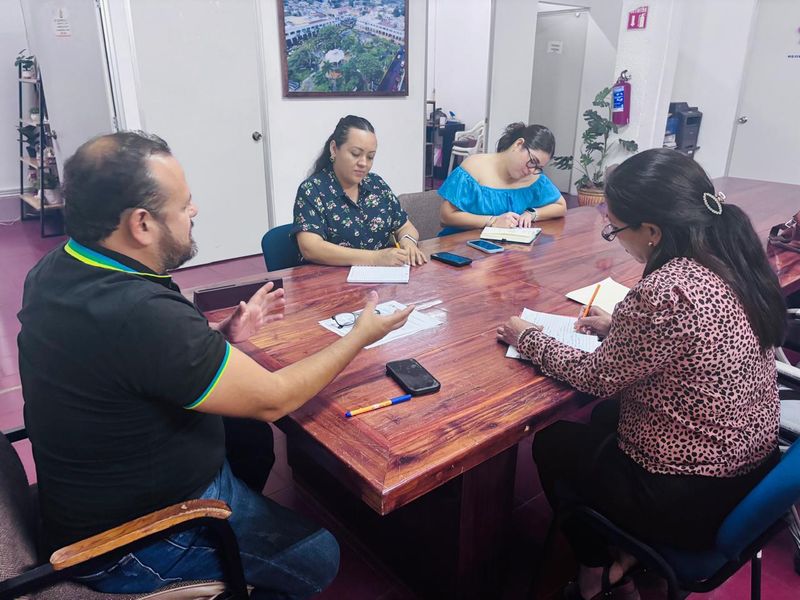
(506, 188)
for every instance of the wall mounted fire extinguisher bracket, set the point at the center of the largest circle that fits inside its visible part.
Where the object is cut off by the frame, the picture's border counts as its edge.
(621, 100)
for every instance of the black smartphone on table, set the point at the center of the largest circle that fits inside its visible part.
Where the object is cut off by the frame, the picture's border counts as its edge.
(412, 377)
(449, 258)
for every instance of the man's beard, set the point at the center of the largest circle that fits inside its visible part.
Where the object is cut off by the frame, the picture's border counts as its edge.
(173, 253)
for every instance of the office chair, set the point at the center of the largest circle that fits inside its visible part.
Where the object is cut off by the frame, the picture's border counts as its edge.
(280, 248)
(24, 572)
(422, 209)
(742, 535)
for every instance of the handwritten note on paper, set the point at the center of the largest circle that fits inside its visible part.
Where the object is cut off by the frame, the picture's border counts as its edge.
(417, 322)
(559, 327)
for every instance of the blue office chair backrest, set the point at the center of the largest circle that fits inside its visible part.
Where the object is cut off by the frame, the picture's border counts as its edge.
(280, 248)
(764, 505)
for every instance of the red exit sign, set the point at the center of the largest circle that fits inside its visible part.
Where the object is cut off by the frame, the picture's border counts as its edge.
(637, 19)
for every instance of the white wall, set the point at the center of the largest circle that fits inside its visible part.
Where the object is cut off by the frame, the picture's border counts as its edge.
(709, 72)
(650, 55)
(510, 65)
(12, 40)
(557, 81)
(458, 56)
(298, 127)
(602, 37)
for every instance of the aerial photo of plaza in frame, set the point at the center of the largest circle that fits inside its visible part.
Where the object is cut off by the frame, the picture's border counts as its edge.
(344, 47)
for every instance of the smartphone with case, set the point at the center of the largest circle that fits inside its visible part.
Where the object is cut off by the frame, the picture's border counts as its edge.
(449, 258)
(412, 377)
(485, 246)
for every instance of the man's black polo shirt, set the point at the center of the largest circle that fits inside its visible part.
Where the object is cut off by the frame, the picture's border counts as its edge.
(112, 359)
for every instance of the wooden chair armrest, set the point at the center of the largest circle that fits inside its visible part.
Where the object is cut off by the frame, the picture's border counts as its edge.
(129, 532)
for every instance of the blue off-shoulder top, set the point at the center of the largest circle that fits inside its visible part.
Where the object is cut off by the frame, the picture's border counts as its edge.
(464, 192)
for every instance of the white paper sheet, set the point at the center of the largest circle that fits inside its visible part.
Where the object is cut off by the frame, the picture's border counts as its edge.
(371, 274)
(607, 298)
(417, 322)
(559, 327)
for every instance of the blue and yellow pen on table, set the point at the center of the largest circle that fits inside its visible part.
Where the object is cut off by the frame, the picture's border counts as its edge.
(376, 406)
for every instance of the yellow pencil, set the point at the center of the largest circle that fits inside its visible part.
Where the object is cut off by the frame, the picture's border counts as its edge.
(396, 243)
(589, 305)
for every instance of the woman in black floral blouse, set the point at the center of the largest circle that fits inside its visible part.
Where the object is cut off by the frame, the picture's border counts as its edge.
(345, 215)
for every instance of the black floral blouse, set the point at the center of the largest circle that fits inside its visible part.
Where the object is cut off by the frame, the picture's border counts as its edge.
(322, 207)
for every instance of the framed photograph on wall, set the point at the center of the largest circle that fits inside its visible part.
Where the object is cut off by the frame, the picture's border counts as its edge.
(344, 47)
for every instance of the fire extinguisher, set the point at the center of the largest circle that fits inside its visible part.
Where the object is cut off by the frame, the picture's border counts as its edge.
(621, 100)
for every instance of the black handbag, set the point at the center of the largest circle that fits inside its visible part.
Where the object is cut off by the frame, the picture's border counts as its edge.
(786, 235)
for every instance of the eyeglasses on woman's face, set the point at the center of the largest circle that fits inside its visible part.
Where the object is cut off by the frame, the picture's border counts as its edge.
(533, 165)
(348, 319)
(609, 232)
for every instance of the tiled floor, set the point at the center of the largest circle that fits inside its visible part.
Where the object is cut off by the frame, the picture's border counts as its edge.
(361, 576)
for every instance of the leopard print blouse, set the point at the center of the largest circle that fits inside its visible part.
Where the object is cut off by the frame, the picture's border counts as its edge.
(697, 393)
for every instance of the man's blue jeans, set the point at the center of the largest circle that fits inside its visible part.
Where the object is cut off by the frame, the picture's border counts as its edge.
(283, 554)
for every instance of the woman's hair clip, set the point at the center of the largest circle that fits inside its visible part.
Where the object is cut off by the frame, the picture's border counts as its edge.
(714, 202)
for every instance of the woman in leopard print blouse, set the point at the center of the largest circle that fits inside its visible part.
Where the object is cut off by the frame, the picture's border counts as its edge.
(686, 361)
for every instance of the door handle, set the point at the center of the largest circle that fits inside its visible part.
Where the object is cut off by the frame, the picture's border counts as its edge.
(256, 136)
(742, 120)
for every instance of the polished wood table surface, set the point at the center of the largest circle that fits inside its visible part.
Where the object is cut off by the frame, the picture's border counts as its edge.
(487, 402)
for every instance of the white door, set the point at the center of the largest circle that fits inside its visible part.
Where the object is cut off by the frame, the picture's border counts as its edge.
(67, 39)
(198, 65)
(560, 45)
(767, 137)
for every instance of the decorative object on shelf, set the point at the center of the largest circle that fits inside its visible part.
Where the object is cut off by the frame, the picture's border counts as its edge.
(598, 140)
(50, 187)
(349, 50)
(39, 193)
(26, 64)
(29, 135)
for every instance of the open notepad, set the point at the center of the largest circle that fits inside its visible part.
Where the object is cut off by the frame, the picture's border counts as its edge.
(561, 328)
(369, 274)
(607, 298)
(521, 235)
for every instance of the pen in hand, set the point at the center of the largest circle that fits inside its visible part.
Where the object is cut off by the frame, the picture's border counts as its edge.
(376, 406)
(588, 306)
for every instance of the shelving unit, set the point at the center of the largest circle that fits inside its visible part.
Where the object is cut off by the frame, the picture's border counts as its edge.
(36, 172)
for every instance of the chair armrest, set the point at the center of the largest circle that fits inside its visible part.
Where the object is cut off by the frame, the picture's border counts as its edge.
(786, 370)
(129, 532)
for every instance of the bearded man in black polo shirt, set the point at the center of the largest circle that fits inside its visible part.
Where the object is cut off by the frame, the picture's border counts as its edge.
(126, 384)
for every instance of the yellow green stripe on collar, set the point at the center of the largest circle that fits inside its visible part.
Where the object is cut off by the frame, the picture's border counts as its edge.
(95, 259)
(215, 381)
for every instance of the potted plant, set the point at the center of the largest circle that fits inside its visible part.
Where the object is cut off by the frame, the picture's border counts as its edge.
(597, 143)
(30, 136)
(35, 114)
(27, 64)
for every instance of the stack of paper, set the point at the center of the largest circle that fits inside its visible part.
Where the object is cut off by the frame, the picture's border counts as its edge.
(369, 274)
(607, 298)
(561, 328)
(522, 235)
(417, 322)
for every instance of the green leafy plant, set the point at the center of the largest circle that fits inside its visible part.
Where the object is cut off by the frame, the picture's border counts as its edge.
(597, 142)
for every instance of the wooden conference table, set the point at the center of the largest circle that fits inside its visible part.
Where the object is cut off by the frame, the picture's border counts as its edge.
(465, 435)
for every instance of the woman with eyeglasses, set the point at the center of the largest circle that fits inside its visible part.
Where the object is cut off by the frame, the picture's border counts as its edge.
(687, 358)
(506, 188)
(346, 215)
